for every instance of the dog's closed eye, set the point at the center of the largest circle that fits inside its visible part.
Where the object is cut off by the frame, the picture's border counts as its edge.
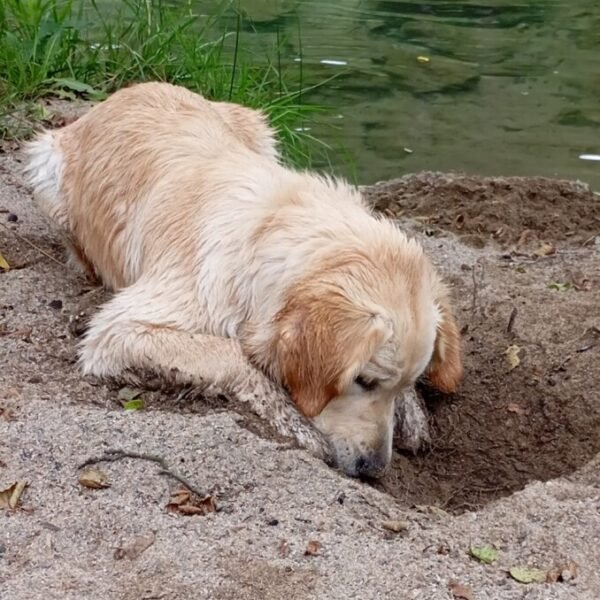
(366, 384)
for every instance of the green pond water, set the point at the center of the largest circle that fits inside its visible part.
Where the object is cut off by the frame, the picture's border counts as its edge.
(494, 87)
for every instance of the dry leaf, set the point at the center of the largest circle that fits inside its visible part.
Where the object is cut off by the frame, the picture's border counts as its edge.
(181, 496)
(553, 575)
(4, 263)
(460, 591)
(580, 281)
(527, 575)
(134, 547)
(7, 414)
(182, 501)
(513, 407)
(191, 509)
(512, 356)
(313, 548)
(9, 497)
(565, 572)
(545, 249)
(94, 479)
(569, 571)
(395, 526)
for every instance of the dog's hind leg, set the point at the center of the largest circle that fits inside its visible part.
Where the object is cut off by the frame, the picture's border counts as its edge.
(43, 171)
(133, 335)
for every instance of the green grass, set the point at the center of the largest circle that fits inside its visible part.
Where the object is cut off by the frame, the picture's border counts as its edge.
(76, 49)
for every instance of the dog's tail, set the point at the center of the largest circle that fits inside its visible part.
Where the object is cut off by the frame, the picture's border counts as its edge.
(43, 171)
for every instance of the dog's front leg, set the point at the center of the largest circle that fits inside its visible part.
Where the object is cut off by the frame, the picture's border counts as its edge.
(412, 424)
(131, 337)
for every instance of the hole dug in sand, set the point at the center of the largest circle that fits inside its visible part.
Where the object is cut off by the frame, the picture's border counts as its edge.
(530, 291)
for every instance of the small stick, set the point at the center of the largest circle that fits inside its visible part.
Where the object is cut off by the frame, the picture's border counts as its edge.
(114, 455)
(511, 320)
(24, 239)
(588, 347)
(596, 332)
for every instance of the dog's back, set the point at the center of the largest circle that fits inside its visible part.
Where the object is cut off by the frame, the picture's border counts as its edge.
(98, 177)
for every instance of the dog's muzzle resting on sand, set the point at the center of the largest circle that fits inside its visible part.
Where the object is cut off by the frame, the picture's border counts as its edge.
(232, 270)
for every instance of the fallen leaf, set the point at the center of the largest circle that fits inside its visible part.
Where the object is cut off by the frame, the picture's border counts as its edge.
(7, 414)
(565, 572)
(395, 526)
(313, 548)
(569, 571)
(559, 287)
(527, 575)
(4, 263)
(9, 497)
(580, 281)
(484, 554)
(513, 407)
(132, 405)
(94, 479)
(512, 356)
(553, 575)
(460, 591)
(545, 249)
(182, 501)
(180, 496)
(134, 547)
(191, 509)
(127, 394)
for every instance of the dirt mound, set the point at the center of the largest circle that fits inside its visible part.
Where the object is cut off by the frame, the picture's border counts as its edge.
(510, 423)
(505, 209)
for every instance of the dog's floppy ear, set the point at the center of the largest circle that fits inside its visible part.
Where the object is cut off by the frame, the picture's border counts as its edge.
(322, 342)
(445, 370)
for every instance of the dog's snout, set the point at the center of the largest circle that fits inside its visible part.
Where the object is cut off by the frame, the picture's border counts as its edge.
(370, 466)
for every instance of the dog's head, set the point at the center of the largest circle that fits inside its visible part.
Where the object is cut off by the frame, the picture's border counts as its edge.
(351, 338)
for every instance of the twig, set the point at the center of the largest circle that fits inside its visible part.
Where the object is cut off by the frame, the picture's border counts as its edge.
(114, 455)
(511, 320)
(588, 347)
(34, 246)
(596, 332)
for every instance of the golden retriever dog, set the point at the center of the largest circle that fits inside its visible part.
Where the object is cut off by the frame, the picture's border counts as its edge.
(232, 270)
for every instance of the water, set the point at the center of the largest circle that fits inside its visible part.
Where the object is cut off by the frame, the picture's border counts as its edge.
(494, 87)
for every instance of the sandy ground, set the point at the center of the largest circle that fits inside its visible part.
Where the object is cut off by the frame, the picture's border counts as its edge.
(514, 462)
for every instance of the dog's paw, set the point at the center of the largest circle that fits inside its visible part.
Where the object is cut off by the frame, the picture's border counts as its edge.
(412, 424)
(312, 440)
(271, 402)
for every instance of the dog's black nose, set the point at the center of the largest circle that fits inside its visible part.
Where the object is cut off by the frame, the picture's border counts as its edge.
(369, 466)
